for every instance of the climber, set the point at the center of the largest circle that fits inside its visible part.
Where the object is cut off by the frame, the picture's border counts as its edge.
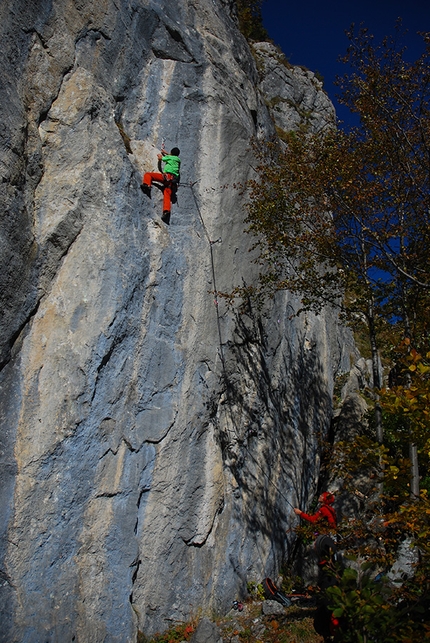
(325, 513)
(167, 176)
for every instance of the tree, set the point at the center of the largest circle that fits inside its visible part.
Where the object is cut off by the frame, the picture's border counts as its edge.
(392, 99)
(343, 216)
(406, 405)
(251, 20)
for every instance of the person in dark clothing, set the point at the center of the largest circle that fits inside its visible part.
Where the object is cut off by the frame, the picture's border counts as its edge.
(325, 550)
(168, 177)
(325, 513)
(325, 623)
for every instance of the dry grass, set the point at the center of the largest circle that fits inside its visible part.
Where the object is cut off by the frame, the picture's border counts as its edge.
(295, 625)
(251, 626)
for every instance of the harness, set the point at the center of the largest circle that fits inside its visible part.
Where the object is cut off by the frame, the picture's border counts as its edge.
(170, 180)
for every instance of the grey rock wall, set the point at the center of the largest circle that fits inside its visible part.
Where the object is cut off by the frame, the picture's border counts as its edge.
(152, 442)
(294, 95)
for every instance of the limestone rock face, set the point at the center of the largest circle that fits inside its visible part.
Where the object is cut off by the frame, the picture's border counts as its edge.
(152, 442)
(293, 94)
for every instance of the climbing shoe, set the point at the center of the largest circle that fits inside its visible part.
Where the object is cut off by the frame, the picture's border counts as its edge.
(146, 189)
(166, 217)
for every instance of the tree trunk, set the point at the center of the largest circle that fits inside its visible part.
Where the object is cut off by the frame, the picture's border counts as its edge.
(413, 451)
(376, 371)
(415, 473)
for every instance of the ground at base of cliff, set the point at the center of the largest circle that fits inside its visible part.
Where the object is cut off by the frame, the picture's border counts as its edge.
(291, 625)
(256, 623)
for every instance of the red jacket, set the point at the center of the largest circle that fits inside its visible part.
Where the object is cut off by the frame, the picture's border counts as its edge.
(325, 512)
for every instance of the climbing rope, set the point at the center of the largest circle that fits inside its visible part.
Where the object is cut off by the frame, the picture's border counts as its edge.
(211, 244)
(215, 292)
(221, 350)
(269, 479)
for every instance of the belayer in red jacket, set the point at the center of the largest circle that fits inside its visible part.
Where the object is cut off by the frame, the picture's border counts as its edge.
(326, 512)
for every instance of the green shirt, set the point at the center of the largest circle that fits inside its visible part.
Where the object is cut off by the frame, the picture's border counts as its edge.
(172, 164)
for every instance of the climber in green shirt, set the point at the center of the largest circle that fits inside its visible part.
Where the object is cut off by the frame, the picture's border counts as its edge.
(168, 176)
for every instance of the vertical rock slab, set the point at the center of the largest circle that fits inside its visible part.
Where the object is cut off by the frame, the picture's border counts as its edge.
(153, 441)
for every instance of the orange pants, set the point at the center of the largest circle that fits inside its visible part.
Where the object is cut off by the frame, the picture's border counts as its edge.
(168, 186)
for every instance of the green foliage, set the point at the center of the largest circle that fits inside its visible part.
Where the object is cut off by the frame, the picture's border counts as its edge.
(358, 602)
(343, 218)
(291, 583)
(407, 405)
(362, 455)
(255, 590)
(369, 605)
(250, 20)
(384, 611)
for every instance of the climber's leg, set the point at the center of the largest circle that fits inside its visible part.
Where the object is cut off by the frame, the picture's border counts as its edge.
(167, 193)
(148, 177)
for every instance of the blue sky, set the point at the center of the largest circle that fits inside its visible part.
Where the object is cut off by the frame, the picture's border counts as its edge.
(312, 33)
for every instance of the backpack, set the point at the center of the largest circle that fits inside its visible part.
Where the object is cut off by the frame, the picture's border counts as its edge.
(325, 548)
(271, 592)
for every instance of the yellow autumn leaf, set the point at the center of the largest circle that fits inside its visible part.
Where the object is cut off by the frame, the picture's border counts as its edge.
(422, 368)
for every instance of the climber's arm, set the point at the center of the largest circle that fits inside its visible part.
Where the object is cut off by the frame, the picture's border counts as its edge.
(310, 518)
